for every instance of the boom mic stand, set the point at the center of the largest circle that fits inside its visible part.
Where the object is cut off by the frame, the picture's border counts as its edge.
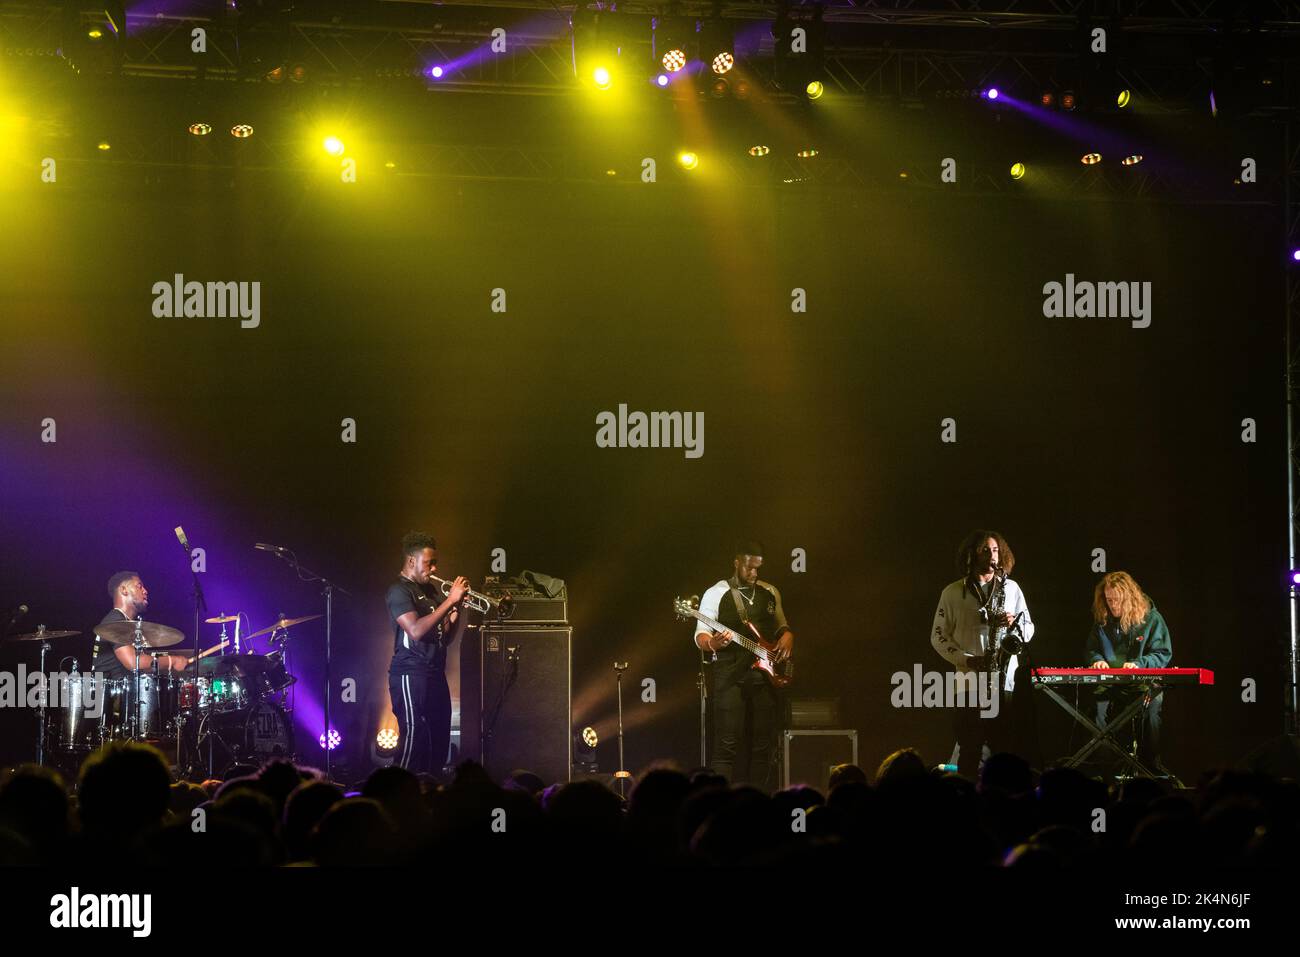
(328, 588)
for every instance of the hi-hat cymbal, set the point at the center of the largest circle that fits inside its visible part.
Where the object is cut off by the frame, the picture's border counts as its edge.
(40, 634)
(221, 619)
(283, 623)
(154, 635)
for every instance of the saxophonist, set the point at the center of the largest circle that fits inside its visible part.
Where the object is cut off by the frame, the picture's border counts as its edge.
(980, 616)
(424, 625)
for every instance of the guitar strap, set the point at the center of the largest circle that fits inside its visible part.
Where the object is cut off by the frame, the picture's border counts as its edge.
(740, 605)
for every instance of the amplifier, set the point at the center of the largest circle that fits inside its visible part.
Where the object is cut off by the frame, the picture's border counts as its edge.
(515, 689)
(813, 712)
(535, 611)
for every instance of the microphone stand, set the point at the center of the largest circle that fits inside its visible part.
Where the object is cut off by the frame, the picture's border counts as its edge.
(622, 774)
(200, 609)
(702, 683)
(328, 589)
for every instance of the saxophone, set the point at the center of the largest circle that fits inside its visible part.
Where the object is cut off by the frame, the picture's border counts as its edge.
(1004, 642)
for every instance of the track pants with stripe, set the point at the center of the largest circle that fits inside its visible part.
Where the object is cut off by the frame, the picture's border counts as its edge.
(422, 704)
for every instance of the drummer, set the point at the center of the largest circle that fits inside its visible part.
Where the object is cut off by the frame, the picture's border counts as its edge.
(130, 599)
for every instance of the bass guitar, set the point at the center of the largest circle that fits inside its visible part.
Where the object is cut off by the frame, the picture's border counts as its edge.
(764, 651)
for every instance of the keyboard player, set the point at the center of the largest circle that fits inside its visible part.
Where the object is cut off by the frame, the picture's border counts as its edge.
(1128, 632)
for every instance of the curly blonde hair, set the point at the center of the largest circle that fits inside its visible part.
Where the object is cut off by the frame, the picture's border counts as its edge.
(1134, 604)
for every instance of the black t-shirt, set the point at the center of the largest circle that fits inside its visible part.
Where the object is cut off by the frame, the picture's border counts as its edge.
(762, 613)
(106, 662)
(426, 656)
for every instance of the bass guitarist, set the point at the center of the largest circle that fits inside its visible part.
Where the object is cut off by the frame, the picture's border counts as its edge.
(743, 698)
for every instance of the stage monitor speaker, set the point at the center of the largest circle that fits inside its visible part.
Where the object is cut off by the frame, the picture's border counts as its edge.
(515, 692)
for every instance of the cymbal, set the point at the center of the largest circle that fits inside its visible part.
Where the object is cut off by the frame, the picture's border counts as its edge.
(283, 623)
(221, 619)
(155, 635)
(40, 634)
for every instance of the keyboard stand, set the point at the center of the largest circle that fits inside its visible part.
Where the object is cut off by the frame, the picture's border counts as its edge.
(1104, 736)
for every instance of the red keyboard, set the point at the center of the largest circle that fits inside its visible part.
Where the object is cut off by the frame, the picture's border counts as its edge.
(1098, 676)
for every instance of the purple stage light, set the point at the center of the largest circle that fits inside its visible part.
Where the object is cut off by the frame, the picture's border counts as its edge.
(335, 740)
(992, 93)
(1295, 254)
(435, 73)
(662, 79)
(1295, 576)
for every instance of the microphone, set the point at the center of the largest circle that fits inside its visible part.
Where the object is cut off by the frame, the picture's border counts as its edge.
(268, 548)
(180, 537)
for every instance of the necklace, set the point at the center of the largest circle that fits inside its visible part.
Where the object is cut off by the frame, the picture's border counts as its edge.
(750, 597)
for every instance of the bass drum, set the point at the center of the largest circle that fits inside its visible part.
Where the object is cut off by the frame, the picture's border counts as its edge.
(254, 735)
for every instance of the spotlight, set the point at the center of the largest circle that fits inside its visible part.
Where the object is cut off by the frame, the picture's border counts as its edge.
(688, 160)
(1295, 572)
(335, 740)
(1131, 160)
(1090, 159)
(1018, 171)
(1295, 254)
(1125, 97)
(662, 79)
(815, 89)
(600, 76)
(672, 41)
(386, 739)
(807, 153)
(333, 145)
(298, 74)
(743, 89)
(1047, 99)
(435, 73)
(1067, 100)
(96, 34)
(105, 145)
(200, 129)
(992, 93)
(584, 750)
(717, 45)
(241, 132)
(719, 86)
(276, 75)
(759, 150)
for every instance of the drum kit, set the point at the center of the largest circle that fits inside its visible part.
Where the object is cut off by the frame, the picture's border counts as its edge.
(222, 710)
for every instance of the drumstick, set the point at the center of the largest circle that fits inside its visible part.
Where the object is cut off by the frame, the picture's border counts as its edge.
(202, 654)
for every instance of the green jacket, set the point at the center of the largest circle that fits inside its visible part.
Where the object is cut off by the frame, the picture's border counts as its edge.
(1147, 644)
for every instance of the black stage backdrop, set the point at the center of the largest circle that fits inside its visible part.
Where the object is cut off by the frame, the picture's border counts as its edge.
(822, 428)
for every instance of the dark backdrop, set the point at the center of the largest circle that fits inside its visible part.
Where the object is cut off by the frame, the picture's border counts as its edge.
(822, 430)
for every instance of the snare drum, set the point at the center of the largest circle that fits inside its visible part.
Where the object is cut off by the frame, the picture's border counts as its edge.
(156, 708)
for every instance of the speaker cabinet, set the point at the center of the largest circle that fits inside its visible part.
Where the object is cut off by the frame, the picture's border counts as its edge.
(515, 692)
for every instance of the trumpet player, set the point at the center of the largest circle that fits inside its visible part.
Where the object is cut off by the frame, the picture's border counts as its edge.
(425, 623)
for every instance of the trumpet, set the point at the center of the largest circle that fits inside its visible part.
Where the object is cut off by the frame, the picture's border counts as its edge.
(474, 600)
